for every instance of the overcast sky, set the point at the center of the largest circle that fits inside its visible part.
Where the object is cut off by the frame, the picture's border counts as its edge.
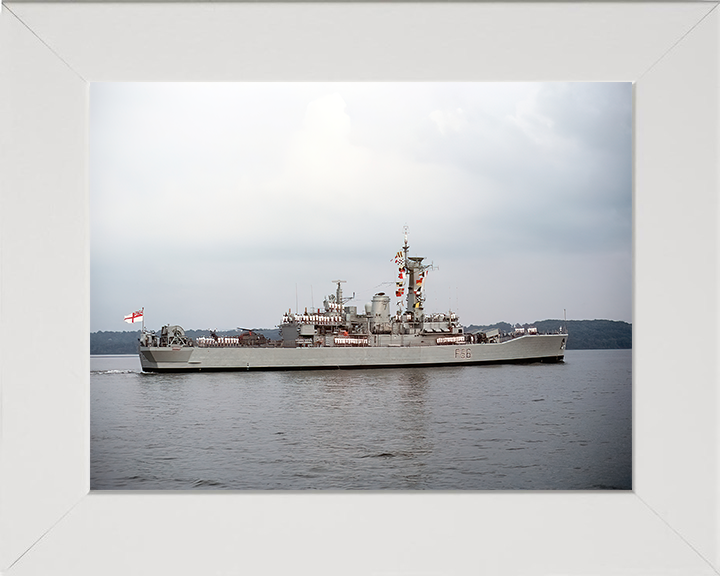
(222, 205)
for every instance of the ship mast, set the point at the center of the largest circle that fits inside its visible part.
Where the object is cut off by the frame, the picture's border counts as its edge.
(416, 275)
(338, 294)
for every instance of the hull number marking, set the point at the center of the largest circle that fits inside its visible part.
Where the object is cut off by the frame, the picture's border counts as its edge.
(463, 352)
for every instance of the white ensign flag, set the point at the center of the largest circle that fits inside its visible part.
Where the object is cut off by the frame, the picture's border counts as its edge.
(134, 317)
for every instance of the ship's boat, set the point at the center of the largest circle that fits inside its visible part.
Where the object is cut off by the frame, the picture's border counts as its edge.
(340, 336)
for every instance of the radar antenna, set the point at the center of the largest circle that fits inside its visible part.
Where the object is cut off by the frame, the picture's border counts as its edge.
(339, 296)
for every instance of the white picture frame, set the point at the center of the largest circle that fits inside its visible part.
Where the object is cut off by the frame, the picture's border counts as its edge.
(49, 520)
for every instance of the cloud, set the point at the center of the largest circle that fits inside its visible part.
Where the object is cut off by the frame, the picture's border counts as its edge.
(222, 198)
(449, 120)
(321, 157)
(326, 120)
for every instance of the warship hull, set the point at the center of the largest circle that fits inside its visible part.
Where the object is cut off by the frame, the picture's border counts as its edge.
(528, 348)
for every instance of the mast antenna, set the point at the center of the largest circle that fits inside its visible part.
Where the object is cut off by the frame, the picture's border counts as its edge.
(338, 295)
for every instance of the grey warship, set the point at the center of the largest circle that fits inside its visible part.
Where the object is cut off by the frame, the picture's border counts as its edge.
(339, 336)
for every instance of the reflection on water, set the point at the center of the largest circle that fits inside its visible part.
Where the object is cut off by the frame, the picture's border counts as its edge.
(540, 426)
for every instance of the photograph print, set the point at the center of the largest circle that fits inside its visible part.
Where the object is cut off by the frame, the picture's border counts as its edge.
(361, 286)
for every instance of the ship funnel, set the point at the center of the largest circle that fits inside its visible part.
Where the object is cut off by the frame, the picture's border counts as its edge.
(381, 307)
(380, 313)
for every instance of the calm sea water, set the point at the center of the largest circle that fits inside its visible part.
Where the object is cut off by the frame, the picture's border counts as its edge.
(530, 427)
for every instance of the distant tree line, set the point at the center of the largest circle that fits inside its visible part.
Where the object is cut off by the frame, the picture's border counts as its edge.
(582, 335)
